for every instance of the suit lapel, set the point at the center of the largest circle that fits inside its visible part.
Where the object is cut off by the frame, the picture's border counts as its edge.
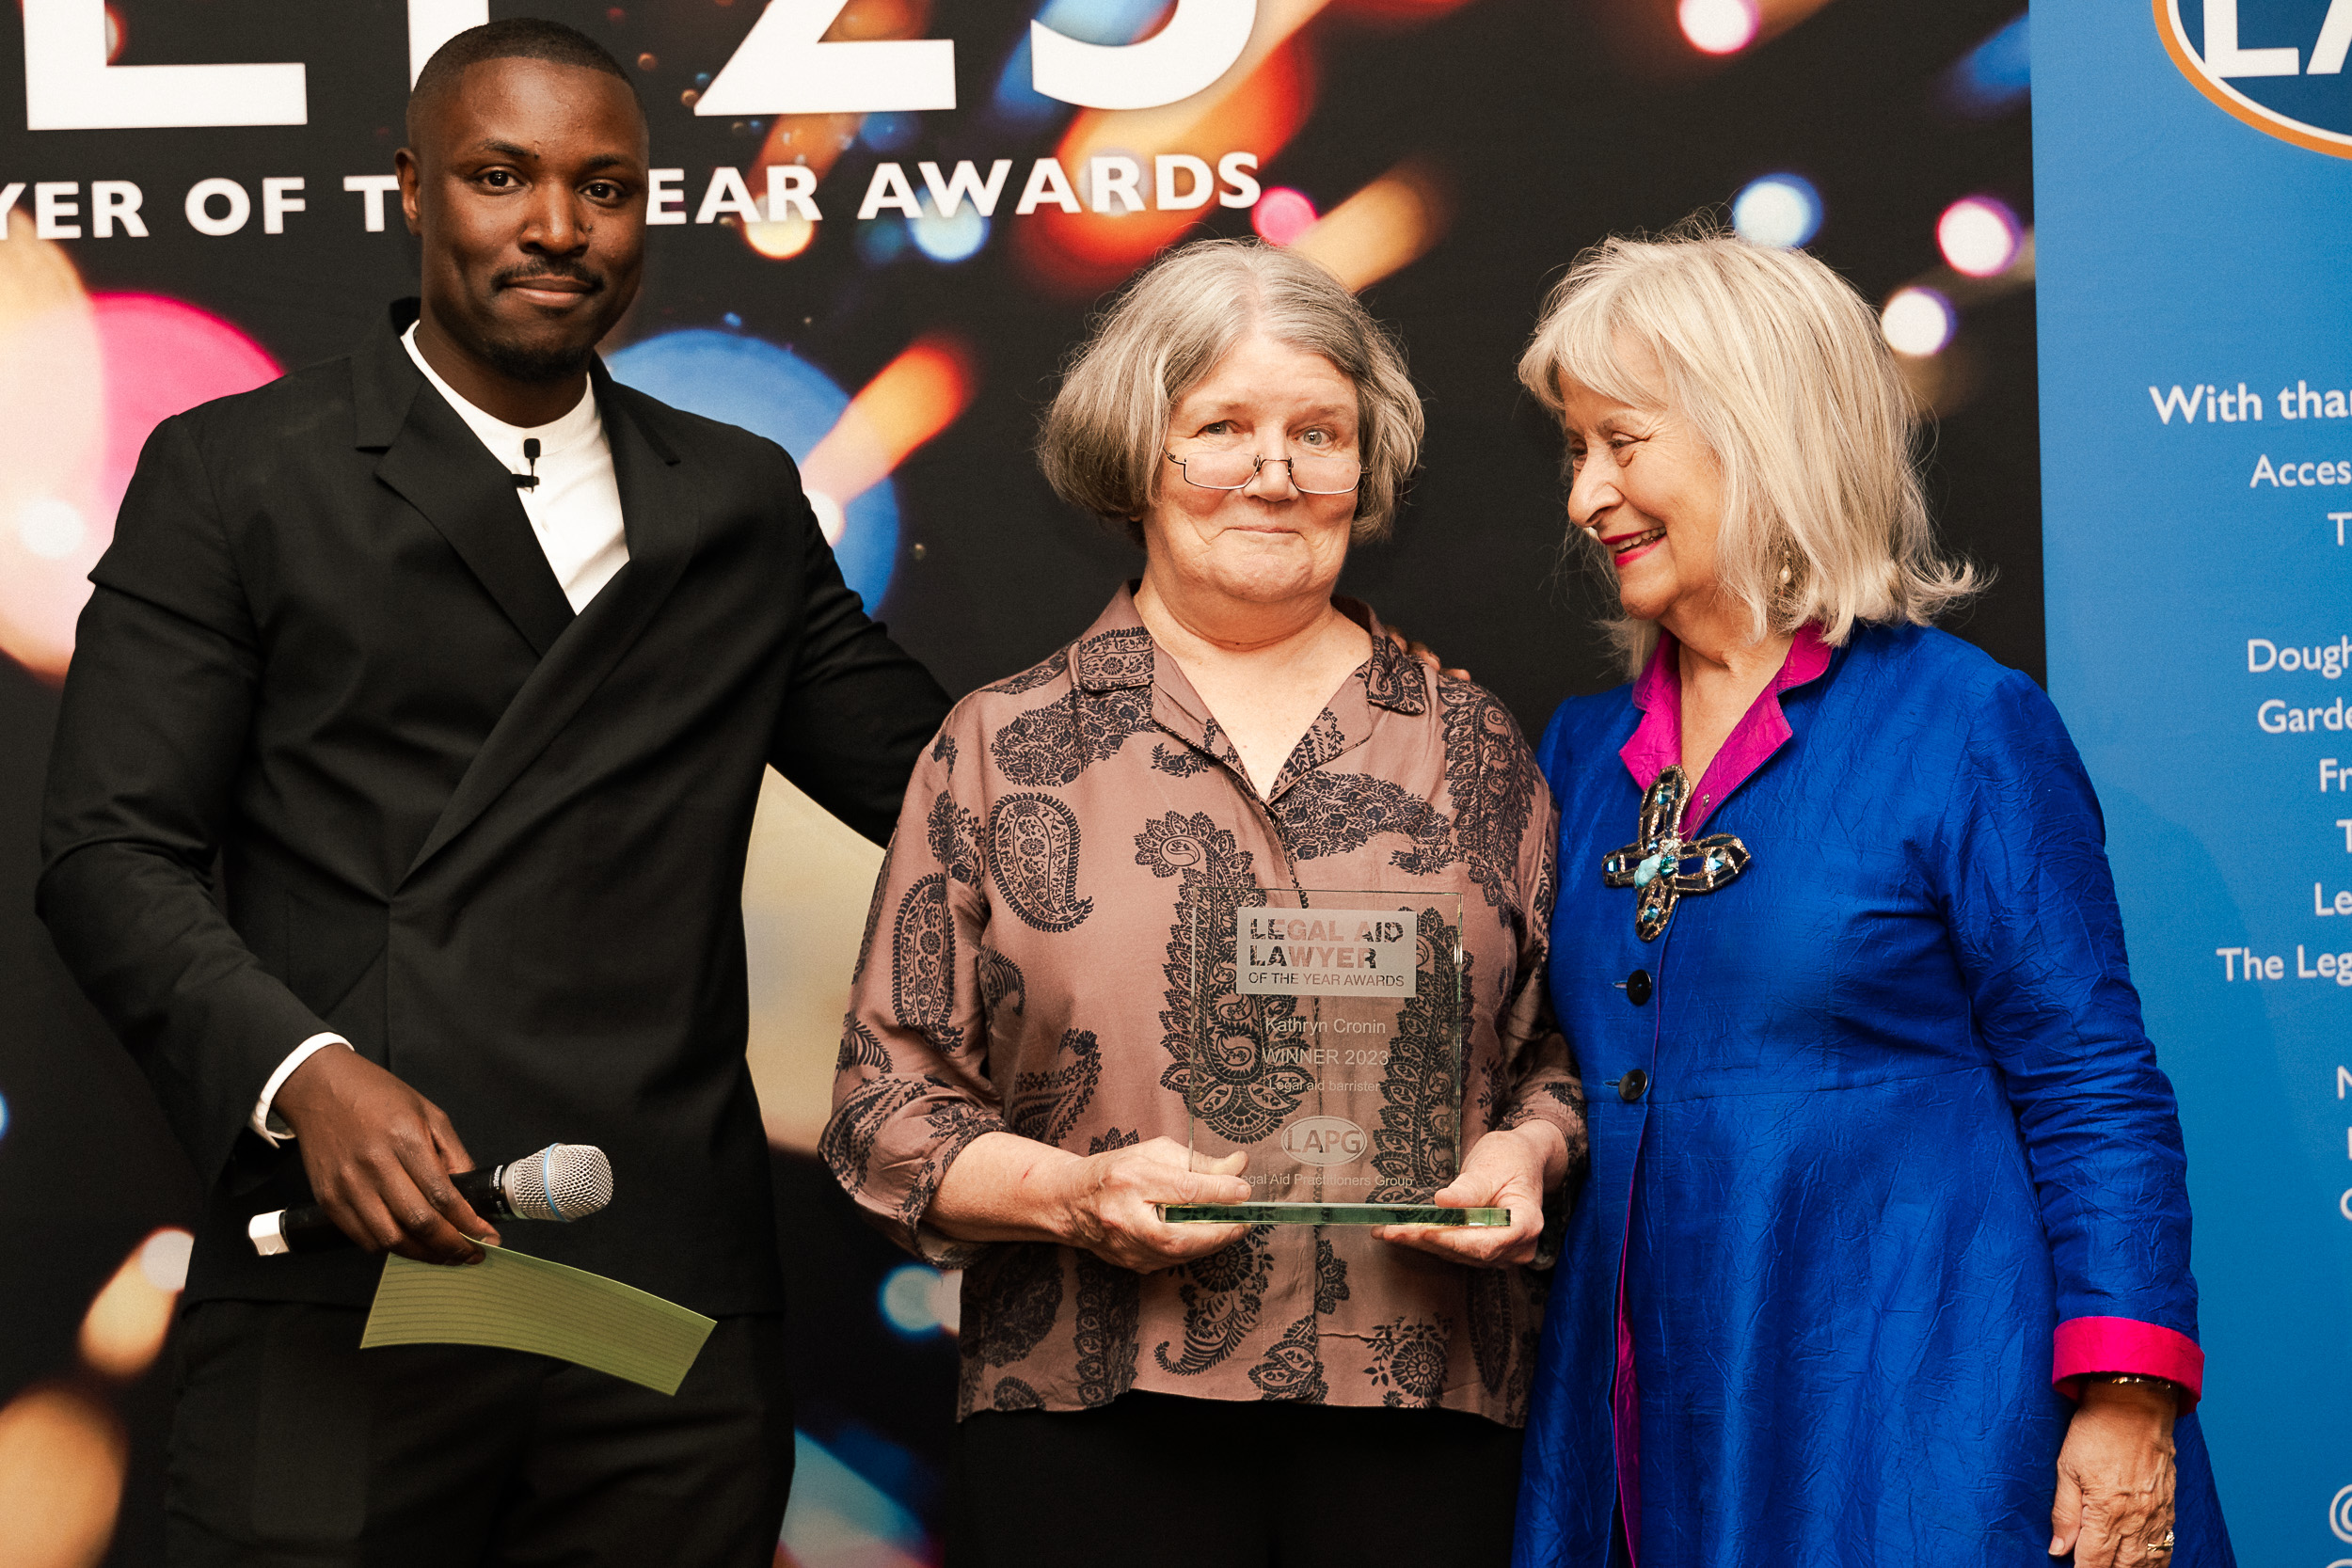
(438, 466)
(659, 515)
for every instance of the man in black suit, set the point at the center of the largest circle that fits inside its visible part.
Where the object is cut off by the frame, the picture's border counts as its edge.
(402, 785)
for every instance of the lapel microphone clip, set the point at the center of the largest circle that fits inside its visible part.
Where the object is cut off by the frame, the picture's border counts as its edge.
(530, 456)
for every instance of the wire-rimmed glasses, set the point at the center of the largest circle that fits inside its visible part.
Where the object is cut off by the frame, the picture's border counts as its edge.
(1311, 473)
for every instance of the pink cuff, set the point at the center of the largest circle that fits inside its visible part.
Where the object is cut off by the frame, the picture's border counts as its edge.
(2085, 1345)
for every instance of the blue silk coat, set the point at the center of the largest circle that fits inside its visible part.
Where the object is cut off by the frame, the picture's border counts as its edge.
(1901, 1120)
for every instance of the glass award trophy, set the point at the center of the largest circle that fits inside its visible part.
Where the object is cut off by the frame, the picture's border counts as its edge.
(1325, 1043)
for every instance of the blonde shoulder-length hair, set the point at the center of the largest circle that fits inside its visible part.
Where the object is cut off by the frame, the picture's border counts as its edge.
(1103, 440)
(1779, 366)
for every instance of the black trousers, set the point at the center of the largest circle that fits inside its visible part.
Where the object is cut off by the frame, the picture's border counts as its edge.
(1157, 1481)
(291, 1446)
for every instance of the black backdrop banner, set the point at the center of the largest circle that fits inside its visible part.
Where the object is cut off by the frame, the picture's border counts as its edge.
(879, 227)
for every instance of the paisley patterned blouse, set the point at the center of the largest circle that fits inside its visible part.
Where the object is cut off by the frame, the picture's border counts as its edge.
(1026, 968)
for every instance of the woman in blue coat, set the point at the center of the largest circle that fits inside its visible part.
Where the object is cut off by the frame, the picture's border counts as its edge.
(1884, 1255)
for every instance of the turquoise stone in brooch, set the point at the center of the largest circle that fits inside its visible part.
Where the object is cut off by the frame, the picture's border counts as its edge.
(1661, 866)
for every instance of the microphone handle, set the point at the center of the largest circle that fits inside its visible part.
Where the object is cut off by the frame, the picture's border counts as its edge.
(309, 1228)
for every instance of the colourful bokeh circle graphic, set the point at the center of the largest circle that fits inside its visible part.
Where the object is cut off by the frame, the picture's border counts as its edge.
(162, 357)
(84, 382)
(769, 390)
(1979, 236)
(1780, 210)
(1282, 215)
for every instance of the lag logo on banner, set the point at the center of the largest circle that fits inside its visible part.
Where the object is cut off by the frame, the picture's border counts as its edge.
(2278, 65)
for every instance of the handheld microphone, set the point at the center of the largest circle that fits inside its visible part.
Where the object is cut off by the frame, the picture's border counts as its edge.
(562, 1181)
(530, 456)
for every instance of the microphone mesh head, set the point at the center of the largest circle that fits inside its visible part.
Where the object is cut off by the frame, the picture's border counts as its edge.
(562, 1181)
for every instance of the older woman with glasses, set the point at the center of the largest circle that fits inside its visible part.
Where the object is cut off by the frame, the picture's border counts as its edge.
(1012, 1095)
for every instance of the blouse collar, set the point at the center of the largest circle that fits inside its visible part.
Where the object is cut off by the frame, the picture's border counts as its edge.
(1117, 654)
(1657, 741)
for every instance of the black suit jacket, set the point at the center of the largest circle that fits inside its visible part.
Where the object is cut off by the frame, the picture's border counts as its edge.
(335, 754)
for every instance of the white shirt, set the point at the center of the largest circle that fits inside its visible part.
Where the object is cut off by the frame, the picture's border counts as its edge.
(575, 509)
(575, 513)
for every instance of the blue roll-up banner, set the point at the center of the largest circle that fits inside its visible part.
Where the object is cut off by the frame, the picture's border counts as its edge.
(2193, 172)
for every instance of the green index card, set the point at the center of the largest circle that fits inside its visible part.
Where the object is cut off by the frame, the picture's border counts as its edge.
(516, 1302)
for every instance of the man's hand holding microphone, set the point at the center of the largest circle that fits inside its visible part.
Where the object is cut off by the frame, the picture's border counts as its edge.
(380, 1157)
(390, 1175)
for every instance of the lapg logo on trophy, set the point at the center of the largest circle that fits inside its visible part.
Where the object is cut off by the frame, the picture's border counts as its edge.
(1324, 1140)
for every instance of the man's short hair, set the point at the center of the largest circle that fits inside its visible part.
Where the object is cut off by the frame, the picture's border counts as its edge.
(518, 38)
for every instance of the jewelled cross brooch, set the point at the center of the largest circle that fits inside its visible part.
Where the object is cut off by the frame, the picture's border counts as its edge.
(1654, 863)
